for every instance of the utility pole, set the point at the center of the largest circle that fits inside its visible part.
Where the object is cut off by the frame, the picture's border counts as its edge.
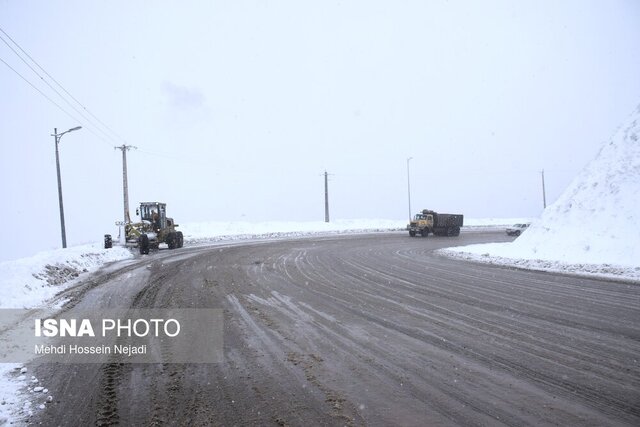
(544, 194)
(326, 196)
(125, 185)
(57, 137)
(409, 187)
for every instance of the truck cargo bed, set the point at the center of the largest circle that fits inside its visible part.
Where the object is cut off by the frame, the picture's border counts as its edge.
(448, 220)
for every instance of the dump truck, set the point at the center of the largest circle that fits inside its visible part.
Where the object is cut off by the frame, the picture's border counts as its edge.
(153, 229)
(439, 224)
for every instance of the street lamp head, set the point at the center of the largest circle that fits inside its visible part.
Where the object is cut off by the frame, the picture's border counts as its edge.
(75, 128)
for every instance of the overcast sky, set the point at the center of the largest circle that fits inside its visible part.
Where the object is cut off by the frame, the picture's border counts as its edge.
(238, 107)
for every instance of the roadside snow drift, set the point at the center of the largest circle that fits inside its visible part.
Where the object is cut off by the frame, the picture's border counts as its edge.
(220, 230)
(29, 282)
(596, 220)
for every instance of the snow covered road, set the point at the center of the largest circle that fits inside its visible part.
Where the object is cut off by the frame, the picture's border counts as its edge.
(366, 329)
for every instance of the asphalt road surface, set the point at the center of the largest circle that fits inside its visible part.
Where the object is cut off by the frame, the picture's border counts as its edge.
(369, 329)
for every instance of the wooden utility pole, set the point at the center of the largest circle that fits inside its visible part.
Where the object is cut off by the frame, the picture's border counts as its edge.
(409, 186)
(326, 197)
(125, 185)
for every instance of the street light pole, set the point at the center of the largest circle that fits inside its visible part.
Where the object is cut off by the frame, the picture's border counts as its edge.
(409, 187)
(326, 196)
(57, 137)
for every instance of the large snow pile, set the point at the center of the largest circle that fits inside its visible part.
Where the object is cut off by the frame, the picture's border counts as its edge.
(28, 282)
(596, 221)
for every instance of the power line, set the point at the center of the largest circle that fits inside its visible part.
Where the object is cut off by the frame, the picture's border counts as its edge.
(51, 100)
(58, 93)
(57, 83)
(39, 91)
(41, 78)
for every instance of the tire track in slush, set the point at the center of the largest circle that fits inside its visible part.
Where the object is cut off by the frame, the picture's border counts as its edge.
(523, 331)
(367, 282)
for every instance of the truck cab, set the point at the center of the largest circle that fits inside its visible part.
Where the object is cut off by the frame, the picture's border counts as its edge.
(421, 223)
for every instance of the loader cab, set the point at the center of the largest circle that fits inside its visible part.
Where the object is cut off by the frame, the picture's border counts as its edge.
(148, 208)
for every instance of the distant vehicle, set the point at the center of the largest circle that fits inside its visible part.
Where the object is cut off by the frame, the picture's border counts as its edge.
(155, 227)
(440, 224)
(517, 229)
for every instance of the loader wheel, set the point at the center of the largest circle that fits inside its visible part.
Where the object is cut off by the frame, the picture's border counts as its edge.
(108, 242)
(180, 239)
(412, 233)
(171, 240)
(143, 243)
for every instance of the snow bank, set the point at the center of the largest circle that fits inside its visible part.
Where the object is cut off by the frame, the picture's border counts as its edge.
(29, 282)
(596, 221)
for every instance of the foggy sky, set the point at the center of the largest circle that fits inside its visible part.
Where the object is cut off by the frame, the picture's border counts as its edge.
(238, 107)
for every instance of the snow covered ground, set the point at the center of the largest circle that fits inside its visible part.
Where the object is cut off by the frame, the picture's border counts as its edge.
(593, 228)
(30, 282)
